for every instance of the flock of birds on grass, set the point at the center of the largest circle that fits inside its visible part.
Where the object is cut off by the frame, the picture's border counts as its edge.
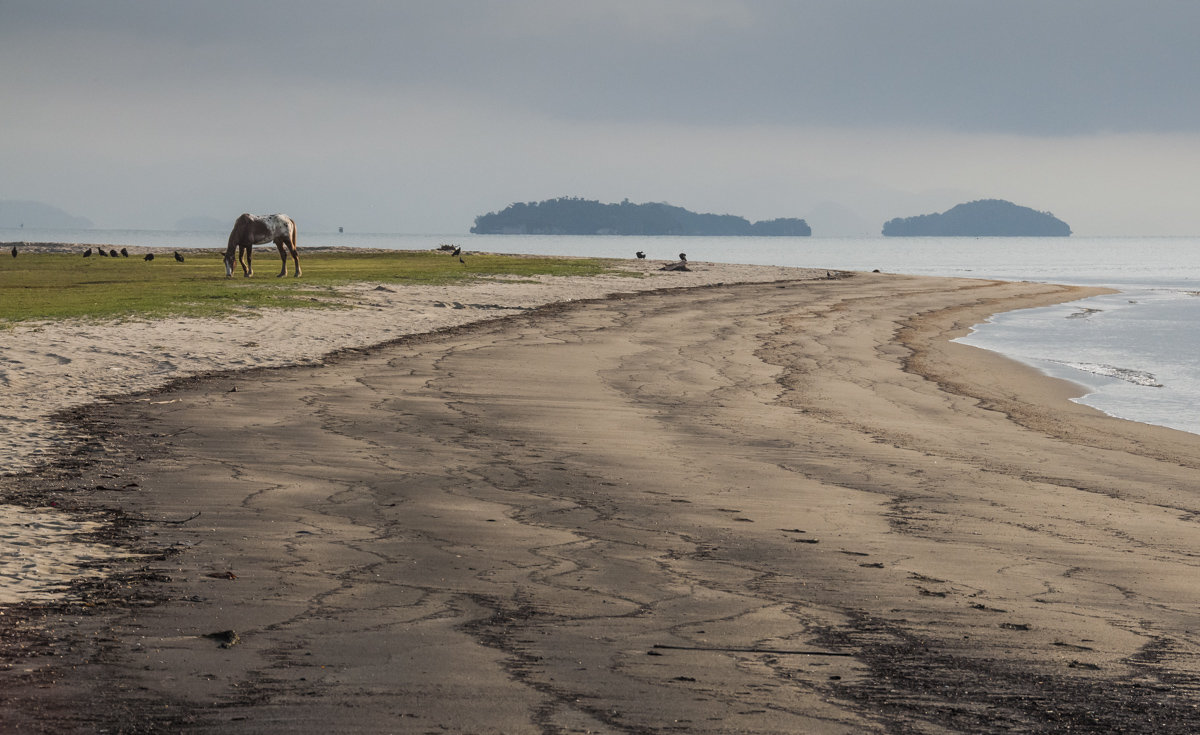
(454, 250)
(124, 253)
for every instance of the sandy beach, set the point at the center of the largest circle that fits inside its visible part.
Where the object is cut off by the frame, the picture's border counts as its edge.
(50, 366)
(780, 504)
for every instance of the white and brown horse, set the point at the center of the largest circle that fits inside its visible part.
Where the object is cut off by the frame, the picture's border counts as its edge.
(250, 230)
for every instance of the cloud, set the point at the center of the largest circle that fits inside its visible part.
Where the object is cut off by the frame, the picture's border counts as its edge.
(418, 116)
(1068, 67)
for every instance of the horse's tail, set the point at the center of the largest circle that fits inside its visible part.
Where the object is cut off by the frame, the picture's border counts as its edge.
(295, 251)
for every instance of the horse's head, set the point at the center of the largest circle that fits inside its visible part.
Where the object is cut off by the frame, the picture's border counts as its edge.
(238, 238)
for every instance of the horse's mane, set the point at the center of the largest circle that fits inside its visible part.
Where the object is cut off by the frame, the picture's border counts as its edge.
(240, 234)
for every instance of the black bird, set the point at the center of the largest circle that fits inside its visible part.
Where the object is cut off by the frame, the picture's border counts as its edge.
(112, 253)
(460, 260)
(124, 253)
(87, 253)
(641, 255)
(683, 257)
(149, 256)
(178, 257)
(457, 251)
(101, 251)
(14, 251)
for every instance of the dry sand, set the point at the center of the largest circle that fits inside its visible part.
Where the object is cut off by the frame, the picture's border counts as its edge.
(785, 507)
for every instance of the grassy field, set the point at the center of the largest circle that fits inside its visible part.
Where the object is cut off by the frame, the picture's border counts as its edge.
(58, 286)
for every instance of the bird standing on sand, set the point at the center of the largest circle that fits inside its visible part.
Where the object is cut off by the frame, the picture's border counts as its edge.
(641, 255)
(124, 253)
(149, 256)
(683, 257)
(14, 251)
(87, 253)
(178, 257)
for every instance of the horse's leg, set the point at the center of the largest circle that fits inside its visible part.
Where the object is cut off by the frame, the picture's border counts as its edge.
(295, 253)
(248, 265)
(279, 243)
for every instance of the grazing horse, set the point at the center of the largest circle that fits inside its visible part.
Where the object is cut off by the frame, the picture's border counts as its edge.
(250, 230)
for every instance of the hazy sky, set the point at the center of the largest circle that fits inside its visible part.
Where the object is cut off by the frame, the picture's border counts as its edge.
(388, 116)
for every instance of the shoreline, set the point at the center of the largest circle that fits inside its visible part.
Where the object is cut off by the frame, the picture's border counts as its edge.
(672, 492)
(51, 366)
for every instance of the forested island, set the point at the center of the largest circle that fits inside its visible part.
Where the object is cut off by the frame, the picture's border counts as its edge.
(983, 218)
(574, 216)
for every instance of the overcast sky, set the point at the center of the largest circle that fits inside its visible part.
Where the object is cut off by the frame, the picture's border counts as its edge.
(387, 116)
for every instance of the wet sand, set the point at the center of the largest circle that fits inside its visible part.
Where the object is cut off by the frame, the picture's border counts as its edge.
(46, 367)
(783, 507)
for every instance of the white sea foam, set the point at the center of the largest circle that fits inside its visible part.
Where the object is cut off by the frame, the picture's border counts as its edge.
(1137, 377)
(1140, 339)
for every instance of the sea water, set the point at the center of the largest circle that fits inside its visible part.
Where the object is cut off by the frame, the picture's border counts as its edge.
(1134, 352)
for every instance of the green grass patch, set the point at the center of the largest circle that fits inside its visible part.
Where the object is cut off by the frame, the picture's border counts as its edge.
(60, 286)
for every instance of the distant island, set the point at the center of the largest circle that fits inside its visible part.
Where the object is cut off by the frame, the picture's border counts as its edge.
(983, 218)
(18, 214)
(573, 216)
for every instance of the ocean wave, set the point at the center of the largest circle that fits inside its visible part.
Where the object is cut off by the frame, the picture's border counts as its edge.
(1137, 377)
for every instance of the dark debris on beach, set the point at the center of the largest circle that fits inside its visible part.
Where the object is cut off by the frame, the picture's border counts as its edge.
(42, 643)
(916, 682)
